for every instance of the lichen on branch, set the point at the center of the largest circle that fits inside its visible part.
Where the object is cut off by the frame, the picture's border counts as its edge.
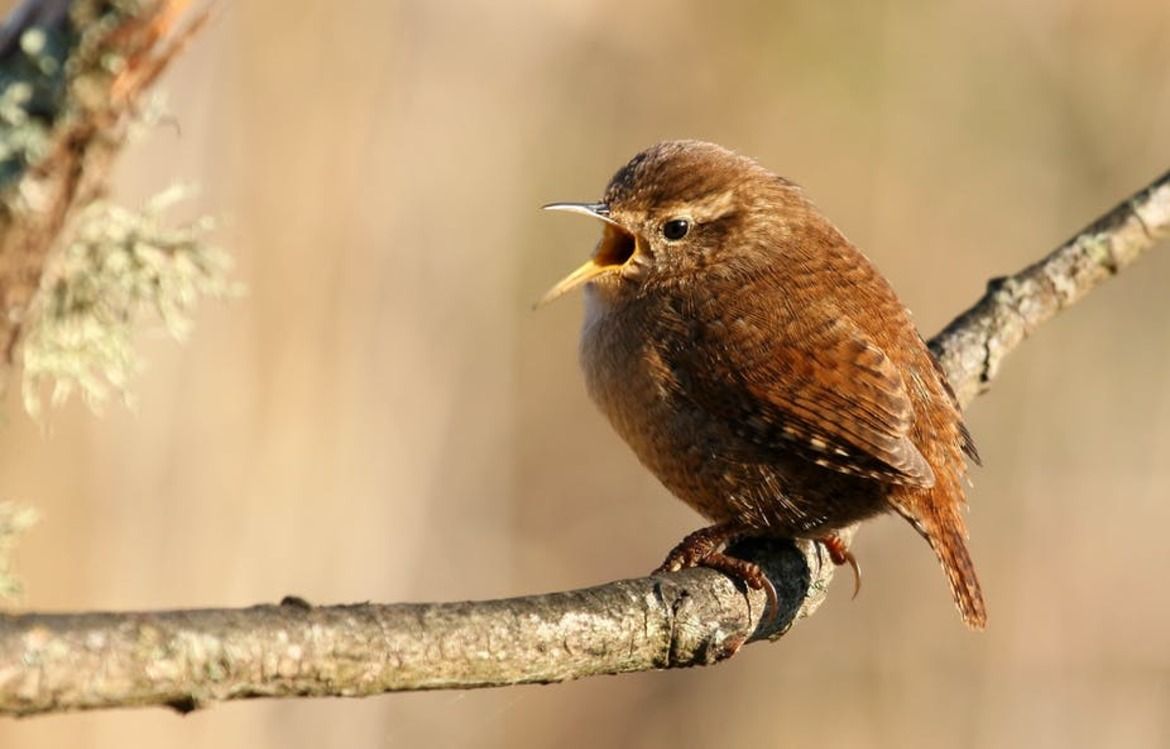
(118, 266)
(15, 519)
(77, 272)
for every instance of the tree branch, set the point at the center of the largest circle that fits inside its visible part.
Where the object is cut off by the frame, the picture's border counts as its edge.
(185, 659)
(972, 348)
(72, 78)
(188, 658)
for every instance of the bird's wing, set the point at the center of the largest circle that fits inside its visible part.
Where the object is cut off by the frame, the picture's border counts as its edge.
(826, 392)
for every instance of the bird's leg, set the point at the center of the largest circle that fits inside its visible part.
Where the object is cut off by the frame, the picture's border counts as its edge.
(697, 546)
(703, 548)
(840, 554)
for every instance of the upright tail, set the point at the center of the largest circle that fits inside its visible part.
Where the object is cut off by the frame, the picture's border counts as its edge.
(948, 538)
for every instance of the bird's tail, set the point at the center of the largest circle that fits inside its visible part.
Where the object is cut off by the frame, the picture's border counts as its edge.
(948, 538)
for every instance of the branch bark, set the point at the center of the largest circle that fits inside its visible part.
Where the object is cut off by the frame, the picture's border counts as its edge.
(185, 659)
(972, 348)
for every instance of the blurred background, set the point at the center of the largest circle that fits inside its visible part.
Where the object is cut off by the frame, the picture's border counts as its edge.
(383, 417)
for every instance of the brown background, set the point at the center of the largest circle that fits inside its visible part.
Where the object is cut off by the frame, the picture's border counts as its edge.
(383, 418)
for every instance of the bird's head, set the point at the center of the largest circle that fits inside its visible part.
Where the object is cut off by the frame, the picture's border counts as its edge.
(670, 212)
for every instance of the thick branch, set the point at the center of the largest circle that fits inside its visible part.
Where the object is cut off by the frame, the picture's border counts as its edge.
(187, 658)
(55, 662)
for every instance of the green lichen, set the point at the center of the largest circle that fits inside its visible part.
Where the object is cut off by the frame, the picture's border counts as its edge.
(119, 268)
(14, 520)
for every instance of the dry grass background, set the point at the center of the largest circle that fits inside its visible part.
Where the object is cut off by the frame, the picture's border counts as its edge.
(383, 418)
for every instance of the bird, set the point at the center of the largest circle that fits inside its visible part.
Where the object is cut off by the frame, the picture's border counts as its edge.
(763, 369)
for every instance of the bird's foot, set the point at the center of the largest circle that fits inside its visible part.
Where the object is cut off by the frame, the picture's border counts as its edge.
(840, 554)
(703, 548)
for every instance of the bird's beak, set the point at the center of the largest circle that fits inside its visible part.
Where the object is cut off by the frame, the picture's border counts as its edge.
(594, 210)
(616, 246)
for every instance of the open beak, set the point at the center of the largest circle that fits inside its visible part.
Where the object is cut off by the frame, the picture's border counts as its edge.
(615, 248)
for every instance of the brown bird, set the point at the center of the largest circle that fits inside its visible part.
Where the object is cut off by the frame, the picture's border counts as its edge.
(762, 368)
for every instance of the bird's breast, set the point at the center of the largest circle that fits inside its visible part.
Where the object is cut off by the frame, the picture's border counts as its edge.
(617, 354)
(625, 357)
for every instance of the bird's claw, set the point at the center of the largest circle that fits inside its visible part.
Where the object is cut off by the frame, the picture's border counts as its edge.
(840, 554)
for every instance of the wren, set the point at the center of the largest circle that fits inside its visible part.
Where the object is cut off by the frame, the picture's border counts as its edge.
(762, 368)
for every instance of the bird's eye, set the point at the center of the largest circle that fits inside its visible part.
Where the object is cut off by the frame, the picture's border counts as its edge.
(676, 228)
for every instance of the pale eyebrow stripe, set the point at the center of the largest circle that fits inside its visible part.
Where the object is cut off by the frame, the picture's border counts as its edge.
(708, 209)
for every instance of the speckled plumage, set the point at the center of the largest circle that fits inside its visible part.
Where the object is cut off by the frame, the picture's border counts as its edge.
(761, 367)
